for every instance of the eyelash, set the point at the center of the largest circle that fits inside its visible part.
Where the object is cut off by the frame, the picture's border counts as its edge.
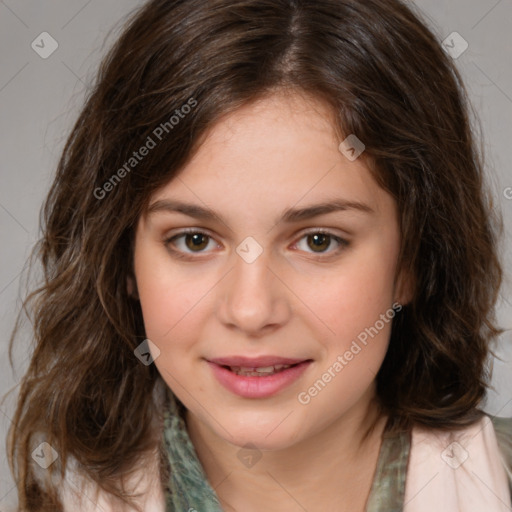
(180, 255)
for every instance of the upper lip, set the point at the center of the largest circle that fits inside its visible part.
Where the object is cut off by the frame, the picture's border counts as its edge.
(256, 362)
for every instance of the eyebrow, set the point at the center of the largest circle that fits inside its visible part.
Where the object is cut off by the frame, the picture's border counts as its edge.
(289, 216)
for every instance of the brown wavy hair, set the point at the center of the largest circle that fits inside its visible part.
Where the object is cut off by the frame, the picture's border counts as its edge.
(387, 79)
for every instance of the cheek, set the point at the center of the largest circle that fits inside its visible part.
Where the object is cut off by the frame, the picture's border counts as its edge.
(171, 298)
(352, 307)
(166, 304)
(354, 295)
(158, 291)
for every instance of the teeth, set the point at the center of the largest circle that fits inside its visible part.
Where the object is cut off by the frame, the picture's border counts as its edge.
(258, 372)
(270, 369)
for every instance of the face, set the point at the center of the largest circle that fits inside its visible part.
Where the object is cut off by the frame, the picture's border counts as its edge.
(243, 267)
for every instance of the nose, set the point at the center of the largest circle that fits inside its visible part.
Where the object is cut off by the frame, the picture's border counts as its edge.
(253, 297)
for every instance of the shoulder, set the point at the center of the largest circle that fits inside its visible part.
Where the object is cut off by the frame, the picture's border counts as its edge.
(80, 492)
(465, 469)
(503, 430)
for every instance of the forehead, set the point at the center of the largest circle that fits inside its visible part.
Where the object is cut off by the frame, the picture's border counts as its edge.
(279, 151)
(282, 126)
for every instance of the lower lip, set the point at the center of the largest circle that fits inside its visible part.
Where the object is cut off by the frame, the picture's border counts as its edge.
(257, 387)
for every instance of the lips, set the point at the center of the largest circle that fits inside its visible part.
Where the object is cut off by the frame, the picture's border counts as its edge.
(256, 362)
(260, 377)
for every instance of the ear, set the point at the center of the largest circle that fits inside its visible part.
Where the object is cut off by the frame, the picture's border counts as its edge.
(131, 287)
(405, 287)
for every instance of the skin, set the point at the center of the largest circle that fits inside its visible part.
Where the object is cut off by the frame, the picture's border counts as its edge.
(294, 300)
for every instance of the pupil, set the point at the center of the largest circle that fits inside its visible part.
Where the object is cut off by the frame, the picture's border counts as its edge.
(320, 237)
(197, 241)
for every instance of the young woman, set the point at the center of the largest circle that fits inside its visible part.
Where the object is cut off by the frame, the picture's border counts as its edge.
(270, 273)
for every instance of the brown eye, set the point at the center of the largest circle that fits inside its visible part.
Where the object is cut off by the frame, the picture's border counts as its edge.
(319, 242)
(189, 242)
(194, 242)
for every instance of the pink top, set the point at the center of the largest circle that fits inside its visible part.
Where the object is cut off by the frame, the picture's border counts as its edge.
(458, 471)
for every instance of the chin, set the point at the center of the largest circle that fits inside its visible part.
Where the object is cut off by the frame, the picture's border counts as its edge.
(261, 442)
(271, 436)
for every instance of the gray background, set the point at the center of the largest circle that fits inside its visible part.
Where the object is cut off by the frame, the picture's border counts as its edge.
(40, 99)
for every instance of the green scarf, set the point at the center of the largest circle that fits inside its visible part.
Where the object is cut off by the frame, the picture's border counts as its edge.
(188, 489)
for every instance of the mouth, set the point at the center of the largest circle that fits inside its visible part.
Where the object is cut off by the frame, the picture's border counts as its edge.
(262, 371)
(257, 378)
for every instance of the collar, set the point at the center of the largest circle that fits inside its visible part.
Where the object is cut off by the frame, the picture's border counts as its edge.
(188, 488)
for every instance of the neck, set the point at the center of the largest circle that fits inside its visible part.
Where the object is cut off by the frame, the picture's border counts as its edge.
(331, 470)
